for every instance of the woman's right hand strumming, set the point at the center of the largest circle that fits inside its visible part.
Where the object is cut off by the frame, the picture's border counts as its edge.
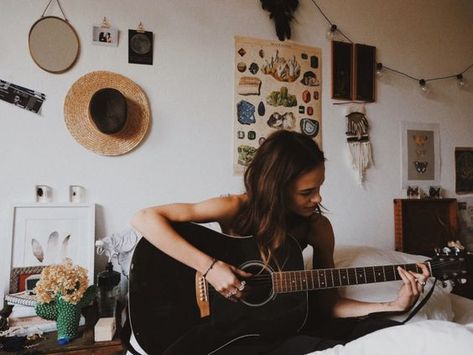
(227, 280)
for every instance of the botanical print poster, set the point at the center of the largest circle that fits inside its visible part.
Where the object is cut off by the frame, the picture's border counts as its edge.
(277, 86)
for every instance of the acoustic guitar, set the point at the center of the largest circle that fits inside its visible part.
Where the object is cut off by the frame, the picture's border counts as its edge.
(173, 310)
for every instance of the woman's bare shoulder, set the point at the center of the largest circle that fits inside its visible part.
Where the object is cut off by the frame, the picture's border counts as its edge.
(321, 231)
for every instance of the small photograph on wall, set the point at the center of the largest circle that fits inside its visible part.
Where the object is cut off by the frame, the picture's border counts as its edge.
(420, 154)
(105, 36)
(464, 170)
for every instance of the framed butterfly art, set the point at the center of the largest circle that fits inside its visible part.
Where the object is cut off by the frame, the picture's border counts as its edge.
(420, 163)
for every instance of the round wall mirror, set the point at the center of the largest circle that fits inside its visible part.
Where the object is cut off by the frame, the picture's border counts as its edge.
(54, 44)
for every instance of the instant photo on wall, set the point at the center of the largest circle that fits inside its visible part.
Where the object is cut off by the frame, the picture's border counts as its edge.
(105, 36)
(342, 63)
(365, 62)
(140, 47)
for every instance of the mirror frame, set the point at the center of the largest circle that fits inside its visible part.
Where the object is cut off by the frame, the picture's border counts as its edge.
(69, 66)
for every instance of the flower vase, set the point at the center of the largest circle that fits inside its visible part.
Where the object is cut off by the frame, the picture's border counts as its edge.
(66, 314)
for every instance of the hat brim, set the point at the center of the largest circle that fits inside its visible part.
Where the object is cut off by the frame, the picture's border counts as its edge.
(83, 129)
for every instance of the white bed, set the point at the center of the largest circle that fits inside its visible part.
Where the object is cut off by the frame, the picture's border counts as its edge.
(443, 326)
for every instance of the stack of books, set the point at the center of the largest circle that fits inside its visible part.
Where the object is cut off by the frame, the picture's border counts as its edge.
(21, 298)
(23, 319)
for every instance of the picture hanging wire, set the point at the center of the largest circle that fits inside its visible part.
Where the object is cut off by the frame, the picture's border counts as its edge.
(60, 7)
(140, 28)
(105, 23)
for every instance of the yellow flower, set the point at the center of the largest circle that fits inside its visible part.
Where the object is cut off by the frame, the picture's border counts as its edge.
(65, 280)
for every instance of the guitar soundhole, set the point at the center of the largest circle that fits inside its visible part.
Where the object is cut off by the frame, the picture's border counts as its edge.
(259, 288)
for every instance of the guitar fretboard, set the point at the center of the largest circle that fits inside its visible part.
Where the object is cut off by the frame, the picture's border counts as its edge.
(306, 280)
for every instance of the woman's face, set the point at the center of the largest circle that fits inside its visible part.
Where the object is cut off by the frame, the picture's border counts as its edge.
(304, 193)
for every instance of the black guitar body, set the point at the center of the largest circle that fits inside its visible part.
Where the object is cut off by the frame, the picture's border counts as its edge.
(164, 312)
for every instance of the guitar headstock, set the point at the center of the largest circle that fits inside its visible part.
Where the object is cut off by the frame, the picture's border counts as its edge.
(449, 263)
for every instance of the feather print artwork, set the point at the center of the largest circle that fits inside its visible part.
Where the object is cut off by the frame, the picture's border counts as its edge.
(65, 244)
(52, 248)
(37, 250)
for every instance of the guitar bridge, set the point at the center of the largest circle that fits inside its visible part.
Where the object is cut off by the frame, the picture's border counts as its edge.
(202, 295)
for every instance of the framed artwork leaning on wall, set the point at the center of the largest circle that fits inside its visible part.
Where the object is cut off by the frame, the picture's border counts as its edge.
(45, 234)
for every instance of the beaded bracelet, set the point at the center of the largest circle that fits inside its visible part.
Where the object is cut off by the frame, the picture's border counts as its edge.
(210, 268)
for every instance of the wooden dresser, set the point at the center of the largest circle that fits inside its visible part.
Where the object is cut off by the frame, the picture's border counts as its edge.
(421, 225)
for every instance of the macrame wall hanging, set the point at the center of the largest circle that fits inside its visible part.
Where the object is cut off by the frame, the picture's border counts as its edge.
(358, 140)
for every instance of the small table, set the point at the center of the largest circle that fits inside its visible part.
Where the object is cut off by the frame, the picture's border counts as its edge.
(83, 344)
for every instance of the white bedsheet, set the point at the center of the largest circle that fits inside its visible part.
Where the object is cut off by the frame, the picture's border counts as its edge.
(432, 337)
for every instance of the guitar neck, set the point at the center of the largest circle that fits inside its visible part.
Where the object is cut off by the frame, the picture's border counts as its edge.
(307, 280)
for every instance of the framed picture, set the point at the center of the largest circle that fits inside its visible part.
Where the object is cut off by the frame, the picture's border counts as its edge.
(19, 276)
(464, 170)
(44, 234)
(140, 47)
(105, 36)
(365, 63)
(342, 63)
(420, 163)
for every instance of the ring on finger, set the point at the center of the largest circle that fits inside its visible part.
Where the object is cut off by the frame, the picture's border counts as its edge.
(421, 282)
(242, 286)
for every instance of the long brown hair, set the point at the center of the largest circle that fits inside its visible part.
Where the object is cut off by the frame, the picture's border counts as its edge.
(278, 162)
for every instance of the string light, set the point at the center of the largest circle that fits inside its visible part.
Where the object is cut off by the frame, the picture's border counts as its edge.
(423, 86)
(331, 32)
(380, 68)
(460, 81)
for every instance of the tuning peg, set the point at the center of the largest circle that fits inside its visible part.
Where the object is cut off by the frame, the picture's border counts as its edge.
(447, 250)
(462, 281)
(437, 251)
(444, 284)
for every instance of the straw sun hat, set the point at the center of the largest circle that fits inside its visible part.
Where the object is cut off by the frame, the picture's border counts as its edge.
(107, 113)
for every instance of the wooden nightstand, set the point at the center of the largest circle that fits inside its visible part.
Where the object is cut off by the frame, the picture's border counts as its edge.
(422, 225)
(82, 345)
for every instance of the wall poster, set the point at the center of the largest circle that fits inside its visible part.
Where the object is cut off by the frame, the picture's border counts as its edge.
(277, 86)
(420, 154)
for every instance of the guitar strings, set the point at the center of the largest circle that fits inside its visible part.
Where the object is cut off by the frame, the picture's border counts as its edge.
(262, 280)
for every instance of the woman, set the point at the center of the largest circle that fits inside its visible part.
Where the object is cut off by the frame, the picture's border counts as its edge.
(282, 198)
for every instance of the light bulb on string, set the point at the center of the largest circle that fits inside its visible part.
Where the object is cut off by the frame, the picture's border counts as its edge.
(331, 32)
(379, 70)
(423, 86)
(461, 81)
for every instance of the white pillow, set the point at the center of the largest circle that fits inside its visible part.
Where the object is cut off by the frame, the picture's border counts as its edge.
(439, 306)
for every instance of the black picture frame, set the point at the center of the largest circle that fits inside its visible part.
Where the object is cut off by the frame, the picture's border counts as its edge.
(342, 70)
(365, 65)
(140, 47)
(463, 170)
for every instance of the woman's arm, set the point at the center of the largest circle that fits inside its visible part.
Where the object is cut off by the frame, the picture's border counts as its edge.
(154, 224)
(322, 240)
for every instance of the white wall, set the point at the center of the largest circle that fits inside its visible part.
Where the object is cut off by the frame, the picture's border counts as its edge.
(187, 155)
